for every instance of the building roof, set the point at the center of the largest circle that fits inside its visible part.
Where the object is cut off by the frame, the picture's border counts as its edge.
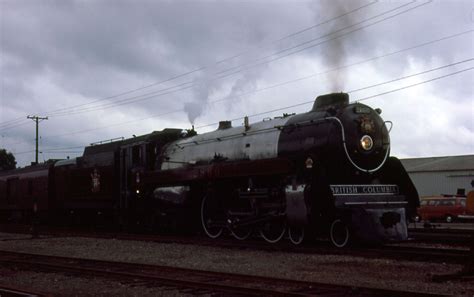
(448, 163)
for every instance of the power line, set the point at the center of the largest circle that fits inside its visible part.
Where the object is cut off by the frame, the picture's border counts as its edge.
(12, 122)
(348, 65)
(279, 84)
(61, 152)
(305, 29)
(401, 78)
(356, 90)
(237, 55)
(181, 87)
(20, 142)
(276, 85)
(358, 100)
(63, 148)
(62, 110)
(319, 37)
(22, 153)
(185, 86)
(250, 66)
(336, 37)
(113, 125)
(14, 126)
(127, 100)
(131, 91)
(192, 84)
(413, 75)
(416, 84)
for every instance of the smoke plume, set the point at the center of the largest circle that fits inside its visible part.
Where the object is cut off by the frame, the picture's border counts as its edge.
(335, 51)
(208, 86)
(202, 91)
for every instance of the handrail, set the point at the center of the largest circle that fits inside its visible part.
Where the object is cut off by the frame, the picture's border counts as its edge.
(347, 153)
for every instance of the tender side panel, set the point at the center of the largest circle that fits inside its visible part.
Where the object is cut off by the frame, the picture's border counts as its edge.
(89, 182)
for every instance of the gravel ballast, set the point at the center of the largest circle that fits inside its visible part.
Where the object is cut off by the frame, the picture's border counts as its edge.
(336, 269)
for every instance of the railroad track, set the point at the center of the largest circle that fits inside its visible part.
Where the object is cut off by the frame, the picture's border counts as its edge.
(411, 253)
(407, 253)
(453, 231)
(190, 280)
(461, 237)
(432, 228)
(9, 291)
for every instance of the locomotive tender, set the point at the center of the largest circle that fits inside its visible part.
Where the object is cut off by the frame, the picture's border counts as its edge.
(326, 171)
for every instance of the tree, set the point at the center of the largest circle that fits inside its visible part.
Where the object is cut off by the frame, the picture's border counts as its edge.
(7, 160)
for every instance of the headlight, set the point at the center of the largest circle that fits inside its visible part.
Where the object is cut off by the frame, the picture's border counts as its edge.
(366, 142)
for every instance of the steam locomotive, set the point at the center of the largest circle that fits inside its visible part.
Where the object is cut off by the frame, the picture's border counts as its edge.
(326, 171)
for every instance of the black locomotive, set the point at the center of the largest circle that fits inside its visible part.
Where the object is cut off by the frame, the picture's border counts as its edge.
(327, 171)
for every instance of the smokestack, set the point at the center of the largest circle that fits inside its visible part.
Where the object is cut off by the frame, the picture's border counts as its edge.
(325, 101)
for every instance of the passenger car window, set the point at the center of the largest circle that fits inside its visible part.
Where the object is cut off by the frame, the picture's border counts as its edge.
(447, 203)
(432, 202)
(423, 202)
(463, 203)
(30, 188)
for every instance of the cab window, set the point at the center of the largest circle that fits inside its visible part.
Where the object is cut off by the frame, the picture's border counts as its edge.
(136, 155)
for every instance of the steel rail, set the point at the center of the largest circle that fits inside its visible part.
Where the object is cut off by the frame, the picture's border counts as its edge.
(407, 253)
(183, 278)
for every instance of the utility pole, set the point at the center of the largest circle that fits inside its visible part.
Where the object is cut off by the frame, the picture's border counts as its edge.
(37, 119)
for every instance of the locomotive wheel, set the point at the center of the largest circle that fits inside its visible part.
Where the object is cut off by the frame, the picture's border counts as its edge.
(339, 233)
(209, 216)
(241, 233)
(296, 234)
(273, 231)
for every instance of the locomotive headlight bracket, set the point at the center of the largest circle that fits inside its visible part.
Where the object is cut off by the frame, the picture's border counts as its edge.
(366, 143)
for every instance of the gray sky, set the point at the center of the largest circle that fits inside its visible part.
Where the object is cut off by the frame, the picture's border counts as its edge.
(106, 69)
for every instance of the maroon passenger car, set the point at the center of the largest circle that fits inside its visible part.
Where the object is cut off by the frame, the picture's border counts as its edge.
(22, 189)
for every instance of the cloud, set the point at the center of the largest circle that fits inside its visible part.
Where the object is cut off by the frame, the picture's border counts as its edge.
(56, 54)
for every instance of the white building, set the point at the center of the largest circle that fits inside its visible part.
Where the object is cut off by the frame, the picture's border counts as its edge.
(441, 175)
